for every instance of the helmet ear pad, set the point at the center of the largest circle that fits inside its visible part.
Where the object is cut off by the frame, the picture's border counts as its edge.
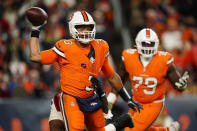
(147, 42)
(79, 19)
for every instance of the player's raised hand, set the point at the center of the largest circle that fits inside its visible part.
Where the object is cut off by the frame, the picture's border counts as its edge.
(135, 105)
(37, 17)
(182, 83)
(40, 27)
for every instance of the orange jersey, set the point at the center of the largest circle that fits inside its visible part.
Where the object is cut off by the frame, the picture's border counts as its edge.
(76, 67)
(148, 83)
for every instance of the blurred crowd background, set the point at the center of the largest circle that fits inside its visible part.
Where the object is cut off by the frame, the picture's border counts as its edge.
(173, 20)
(117, 22)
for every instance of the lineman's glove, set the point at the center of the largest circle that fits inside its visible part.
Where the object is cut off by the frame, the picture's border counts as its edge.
(131, 103)
(135, 105)
(182, 83)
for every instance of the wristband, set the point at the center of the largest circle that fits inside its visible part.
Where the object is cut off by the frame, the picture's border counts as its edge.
(35, 33)
(124, 94)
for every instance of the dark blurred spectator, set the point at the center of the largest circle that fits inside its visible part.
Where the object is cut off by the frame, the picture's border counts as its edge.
(54, 30)
(155, 20)
(171, 38)
(190, 60)
(103, 17)
(4, 92)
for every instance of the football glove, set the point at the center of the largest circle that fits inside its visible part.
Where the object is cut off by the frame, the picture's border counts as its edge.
(36, 30)
(40, 27)
(135, 105)
(131, 103)
(182, 83)
(101, 93)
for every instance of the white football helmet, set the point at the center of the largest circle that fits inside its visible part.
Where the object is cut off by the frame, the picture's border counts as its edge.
(147, 42)
(82, 18)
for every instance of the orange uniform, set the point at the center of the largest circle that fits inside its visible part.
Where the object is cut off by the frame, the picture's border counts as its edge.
(76, 65)
(148, 85)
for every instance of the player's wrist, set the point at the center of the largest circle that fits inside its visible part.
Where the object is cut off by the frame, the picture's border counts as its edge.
(124, 94)
(35, 33)
(36, 30)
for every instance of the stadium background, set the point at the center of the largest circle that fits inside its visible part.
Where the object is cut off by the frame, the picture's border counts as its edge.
(26, 88)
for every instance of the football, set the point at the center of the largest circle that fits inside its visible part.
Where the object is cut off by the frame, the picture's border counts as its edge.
(36, 15)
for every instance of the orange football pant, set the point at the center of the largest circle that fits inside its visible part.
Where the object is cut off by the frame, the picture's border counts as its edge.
(75, 119)
(144, 119)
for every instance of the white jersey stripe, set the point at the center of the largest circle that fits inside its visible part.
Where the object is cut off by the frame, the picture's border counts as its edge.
(170, 61)
(107, 54)
(157, 116)
(63, 112)
(59, 52)
(124, 89)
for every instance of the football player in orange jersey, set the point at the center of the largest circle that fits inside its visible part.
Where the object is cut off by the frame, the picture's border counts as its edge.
(148, 69)
(80, 59)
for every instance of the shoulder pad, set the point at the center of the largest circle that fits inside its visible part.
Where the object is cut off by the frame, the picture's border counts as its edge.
(68, 42)
(100, 41)
(103, 45)
(59, 48)
(127, 52)
(130, 51)
(59, 44)
(162, 53)
(170, 59)
(166, 56)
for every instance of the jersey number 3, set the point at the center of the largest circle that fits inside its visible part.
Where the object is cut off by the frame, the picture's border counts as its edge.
(150, 82)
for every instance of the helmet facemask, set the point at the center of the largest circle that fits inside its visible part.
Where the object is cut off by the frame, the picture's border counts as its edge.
(147, 49)
(147, 46)
(84, 36)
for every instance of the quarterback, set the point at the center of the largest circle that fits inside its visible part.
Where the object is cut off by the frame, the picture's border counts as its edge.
(80, 59)
(148, 69)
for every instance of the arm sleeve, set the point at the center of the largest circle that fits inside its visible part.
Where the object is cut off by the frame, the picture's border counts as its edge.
(107, 68)
(48, 56)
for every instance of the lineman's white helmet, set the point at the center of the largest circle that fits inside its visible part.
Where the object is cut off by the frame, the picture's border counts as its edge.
(82, 18)
(147, 42)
